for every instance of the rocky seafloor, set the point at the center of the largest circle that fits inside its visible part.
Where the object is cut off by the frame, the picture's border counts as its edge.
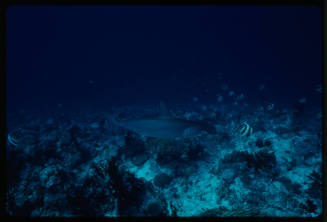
(81, 164)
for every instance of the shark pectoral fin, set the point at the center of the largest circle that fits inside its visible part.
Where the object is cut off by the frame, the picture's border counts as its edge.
(163, 111)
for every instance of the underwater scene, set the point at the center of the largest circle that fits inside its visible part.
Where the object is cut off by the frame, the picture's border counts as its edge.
(154, 111)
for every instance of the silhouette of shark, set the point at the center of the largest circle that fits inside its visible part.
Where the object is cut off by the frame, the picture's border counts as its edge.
(164, 125)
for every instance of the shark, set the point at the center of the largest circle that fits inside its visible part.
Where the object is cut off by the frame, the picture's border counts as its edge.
(164, 125)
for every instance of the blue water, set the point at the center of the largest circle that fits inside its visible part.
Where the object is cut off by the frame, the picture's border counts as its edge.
(69, 68)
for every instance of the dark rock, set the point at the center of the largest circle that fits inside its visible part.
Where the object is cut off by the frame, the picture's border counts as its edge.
(183, 170)
(290, 185)
(315, 187)
(162, 180)
(168, 152)
(224, 137)
(267, 143)
(133, 146)
(309, 206)
(140, 159)
(65, 138)
(155, 209)
(238, 156)
(299, 109)
(246, 180)
(282, 130)
(254, 198)
(122, 116)
(75, 131)
(259, 143)
(195, 152)
(129, 139)
(228, 175)
(264, 161)
(261, 161)
(128, 190)
(215, 212)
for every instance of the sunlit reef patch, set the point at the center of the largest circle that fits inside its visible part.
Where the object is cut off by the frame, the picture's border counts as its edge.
(263, 162)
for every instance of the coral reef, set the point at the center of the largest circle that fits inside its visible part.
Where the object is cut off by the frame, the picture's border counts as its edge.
(84, 165)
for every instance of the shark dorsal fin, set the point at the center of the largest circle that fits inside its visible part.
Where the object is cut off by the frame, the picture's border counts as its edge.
(163, 111)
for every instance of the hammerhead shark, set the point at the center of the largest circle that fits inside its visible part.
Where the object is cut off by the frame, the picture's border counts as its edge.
(164, 125)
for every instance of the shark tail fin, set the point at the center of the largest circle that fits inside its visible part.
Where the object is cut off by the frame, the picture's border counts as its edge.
(163, 111)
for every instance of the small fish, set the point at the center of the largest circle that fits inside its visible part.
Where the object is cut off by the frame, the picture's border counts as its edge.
(204, 108)
(240, 97)
(220, 98)
(319, 115)
(319, 88)
(261, 87)
(195, 99)
(270, 107)
(245, 129)
(95, 125)
(303, 100)
(261, 108)
(231, 93)
(50, 122)
(224, 87)
(12, 141)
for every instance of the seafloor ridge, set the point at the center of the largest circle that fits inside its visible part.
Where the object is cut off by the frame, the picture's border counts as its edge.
(83, 164)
